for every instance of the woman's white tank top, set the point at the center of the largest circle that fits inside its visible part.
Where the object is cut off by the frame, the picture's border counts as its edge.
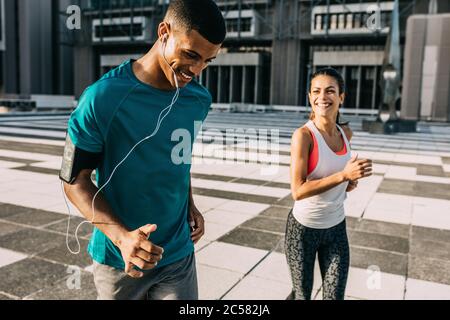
(324, 210)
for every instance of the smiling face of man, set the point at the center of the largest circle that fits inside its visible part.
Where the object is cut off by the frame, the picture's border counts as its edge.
(190, 37)
(187, 53)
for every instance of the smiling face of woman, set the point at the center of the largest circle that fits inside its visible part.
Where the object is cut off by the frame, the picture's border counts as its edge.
(325, 97)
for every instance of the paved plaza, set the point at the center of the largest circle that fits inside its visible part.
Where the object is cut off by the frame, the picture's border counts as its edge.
(398, 220)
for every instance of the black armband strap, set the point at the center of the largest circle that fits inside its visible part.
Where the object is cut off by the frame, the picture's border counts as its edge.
(76, 159)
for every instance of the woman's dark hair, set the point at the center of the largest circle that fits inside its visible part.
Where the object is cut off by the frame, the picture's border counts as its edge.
(203, 16)
(331, 72)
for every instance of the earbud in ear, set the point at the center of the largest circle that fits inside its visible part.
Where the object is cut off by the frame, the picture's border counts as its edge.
(164, 39)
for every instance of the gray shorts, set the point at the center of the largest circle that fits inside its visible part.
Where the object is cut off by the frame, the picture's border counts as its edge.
(176, 281)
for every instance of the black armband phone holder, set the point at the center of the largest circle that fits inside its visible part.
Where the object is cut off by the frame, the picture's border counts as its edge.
(76, 159)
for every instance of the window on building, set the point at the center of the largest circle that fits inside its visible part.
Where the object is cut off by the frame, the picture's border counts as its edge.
(351, 85)
(233, 24)
(367, 87)
(333, 22)
(119, 30)
(357, 20)
(236, 84)
(349, 22)
(225, 84)
(369, 73)
(318, 24)
(364, 18)
(118, 4)
(341, 21)
(246, 24)
(211, 77)
(354, 73)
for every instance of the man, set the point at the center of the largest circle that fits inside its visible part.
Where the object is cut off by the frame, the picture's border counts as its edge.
(142, 245)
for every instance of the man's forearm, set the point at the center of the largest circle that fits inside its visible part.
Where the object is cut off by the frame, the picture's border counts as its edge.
(81, 194)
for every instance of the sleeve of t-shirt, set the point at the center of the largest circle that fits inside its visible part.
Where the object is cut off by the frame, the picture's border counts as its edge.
(206, 105)
(84, 126)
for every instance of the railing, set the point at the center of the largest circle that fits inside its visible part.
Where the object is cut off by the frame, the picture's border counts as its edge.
(95, 5)
(293, 23)
(254, 108)
(38, 102)
(235, 2)
(53, 101)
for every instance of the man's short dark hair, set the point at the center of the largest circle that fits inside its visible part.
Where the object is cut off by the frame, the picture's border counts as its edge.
(202, 16)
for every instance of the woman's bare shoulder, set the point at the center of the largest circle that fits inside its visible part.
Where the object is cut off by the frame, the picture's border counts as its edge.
(302, 135)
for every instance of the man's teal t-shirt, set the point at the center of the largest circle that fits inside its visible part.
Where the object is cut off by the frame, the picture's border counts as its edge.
(149, 187)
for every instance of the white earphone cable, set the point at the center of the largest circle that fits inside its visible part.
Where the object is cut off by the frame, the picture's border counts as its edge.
(161, 117)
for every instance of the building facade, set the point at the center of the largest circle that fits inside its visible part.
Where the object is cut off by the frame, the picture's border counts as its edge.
(426, 81)
(348, 35)
(271, 49)
(36, 49)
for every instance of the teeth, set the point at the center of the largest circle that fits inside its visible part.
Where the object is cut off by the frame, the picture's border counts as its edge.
(185, 75)
(323, 105)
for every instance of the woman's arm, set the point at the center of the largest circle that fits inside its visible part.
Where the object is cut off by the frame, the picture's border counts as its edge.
(300, 188)
(352, 184)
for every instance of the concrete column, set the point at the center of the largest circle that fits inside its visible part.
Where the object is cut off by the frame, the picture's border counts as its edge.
(374, 88)
(35, 35)
(10, 64)
(231, 84)
(244, 83)
(84, 73)
(358, 88)
(288, 72)
(438, 26)
(416, 29)
(344, 72)
(344, 75)
(257, 98)
(219, 85)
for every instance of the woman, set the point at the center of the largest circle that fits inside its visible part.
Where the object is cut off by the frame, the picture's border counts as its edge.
(322, 171)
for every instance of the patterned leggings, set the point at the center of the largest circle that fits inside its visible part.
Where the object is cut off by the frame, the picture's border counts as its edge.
(331, 245)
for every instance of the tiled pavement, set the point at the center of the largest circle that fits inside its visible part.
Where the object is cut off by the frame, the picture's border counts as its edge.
(398, 221)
